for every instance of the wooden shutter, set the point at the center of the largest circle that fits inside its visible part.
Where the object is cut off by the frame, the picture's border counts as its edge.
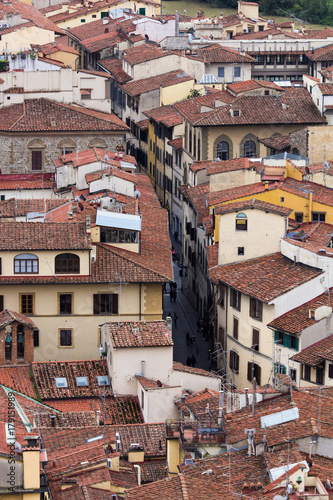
(330, 370)
(114, 302)
(249, 371)
(96, 303)
(259, 310)
(255, 339)
(257, 374)
(1, 302)
(36, 160)
(36, 338)
(236, 362)
(236, 328)
(231, 364)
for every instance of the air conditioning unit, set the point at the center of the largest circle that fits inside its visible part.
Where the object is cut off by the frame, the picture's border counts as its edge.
(117, 441)
(109, 463)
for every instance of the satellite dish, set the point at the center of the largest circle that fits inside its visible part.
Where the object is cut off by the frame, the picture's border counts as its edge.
(77, 198)
(106, 158)
(137, 193)
(326, 165)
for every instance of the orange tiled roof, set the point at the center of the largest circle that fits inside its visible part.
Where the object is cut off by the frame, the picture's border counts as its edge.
(148, 383)
(166, 115)
(51, 48)
(115, 67)
(92, 155)
(27, 181)
(17, 208)
(279, 143)
(247, 85)
(29, 13)
(176, 143)
(216, 197)
(109, 171)
(212, 255)
(7, 316)
(321, 53)
(140, 334)
(197, 196)
(143, 53)
(215, 53)
(179, 367)
(43, 236)
(45, 115)
(316, 353)
(18, 379)
(264, 278)
(220, 166)
(138, 87)
(297, 320)
(253, 204)
(326, 88)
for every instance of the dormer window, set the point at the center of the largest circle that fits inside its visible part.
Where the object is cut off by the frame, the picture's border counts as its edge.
(26, 263)
(236, 112)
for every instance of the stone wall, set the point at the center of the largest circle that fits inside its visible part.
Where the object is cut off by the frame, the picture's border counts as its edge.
(299, 140)
(16, 149)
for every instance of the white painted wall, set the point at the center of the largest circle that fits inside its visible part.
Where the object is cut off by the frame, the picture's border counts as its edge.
(113, 183)
(193, 382)
(155, 29)
(158, 404)
(30, 194)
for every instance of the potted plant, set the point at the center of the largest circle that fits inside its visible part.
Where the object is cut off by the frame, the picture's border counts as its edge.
(13, 56)
(23, 55)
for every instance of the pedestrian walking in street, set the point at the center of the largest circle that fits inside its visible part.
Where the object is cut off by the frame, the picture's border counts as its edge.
(193, 339)
(175, 295)
(193, 360)
(189, 361)
(175, 317)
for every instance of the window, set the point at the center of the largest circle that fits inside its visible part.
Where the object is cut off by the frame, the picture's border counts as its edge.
(36, 159)
(8, 347)
(241, 222)
(261, 28)
(2, 197)
(65, 337)
(279, 368)
(292, 374)
(26, 263)
(318, 217)
(307, 372)
(109, 235)
(36, 338)
(293, 342)
(302, 59)
(220, 72)
(234, 361)
(290, 60)
(65, 303)
(235, 299)
(61, 382)
(256, 309)
(20, 341)
(279, 60)
(102, 380)
(82, 381)
(255, 339)
(249, 149)
(105, 303)
(269, 60)
(237, 72)
(240, 251)
(330, 370)
(282, 199)
(222, 150)
(235, 330)
(299, 217)
(260, 59)
(320, 375)
(236, 112)
(289, 341)
(1, 303)
(27, 303)
(253, 371)
(67, 263)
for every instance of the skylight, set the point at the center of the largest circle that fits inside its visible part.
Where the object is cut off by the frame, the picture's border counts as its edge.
(82, 381)
(61, 382)
(103, 380)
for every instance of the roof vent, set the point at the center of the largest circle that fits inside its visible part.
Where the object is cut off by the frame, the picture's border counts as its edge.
(322, 251)
(53, 122)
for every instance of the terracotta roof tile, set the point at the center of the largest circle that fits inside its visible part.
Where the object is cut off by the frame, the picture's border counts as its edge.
(197, 197)
(46, 372)
(115, 67)
(297, 320)
(253, 204)
(43, 236)
(29, 13)
(92, 155)
(326, 88)
(216, 197)
(17, 208)
(50, 48)
(176, 143)
(18, 379)
(217, 167)
(316, 353)
(179, 367)
(166, 115)
(150, 436)
(279, 143)
(320, 194)
(215, 53)
(116, 172)
(44, 114)
(143, 53)
(318, 34)
(212, 255)
(140, 334)
(7, 316)
(138, 87)
(148, 383)
(321, 53)
(247, 85)
(264, 278)
(27, 181)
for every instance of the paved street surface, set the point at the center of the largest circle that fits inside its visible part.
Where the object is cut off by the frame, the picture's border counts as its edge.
(187, 322)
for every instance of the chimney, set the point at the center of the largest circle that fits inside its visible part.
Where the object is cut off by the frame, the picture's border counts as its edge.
(246, 396)
(142, 368)
(139, 473)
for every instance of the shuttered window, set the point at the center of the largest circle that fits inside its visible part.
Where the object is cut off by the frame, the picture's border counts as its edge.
(105, 303)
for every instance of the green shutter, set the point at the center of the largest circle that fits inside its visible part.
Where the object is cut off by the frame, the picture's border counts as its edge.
(286, 340)
(297, 344)
(276, 337)
(284, 370)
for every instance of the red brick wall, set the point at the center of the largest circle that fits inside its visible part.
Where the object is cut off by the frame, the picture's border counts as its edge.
(28, 345)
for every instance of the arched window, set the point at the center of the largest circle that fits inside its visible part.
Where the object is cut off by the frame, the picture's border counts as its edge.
(8, 347)
(296, 152)
(249, 149)
(67, 263)
(241, 222)
(223, 150)
(26, 263)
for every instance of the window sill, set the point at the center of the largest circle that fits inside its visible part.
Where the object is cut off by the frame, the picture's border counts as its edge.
(65, 346)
